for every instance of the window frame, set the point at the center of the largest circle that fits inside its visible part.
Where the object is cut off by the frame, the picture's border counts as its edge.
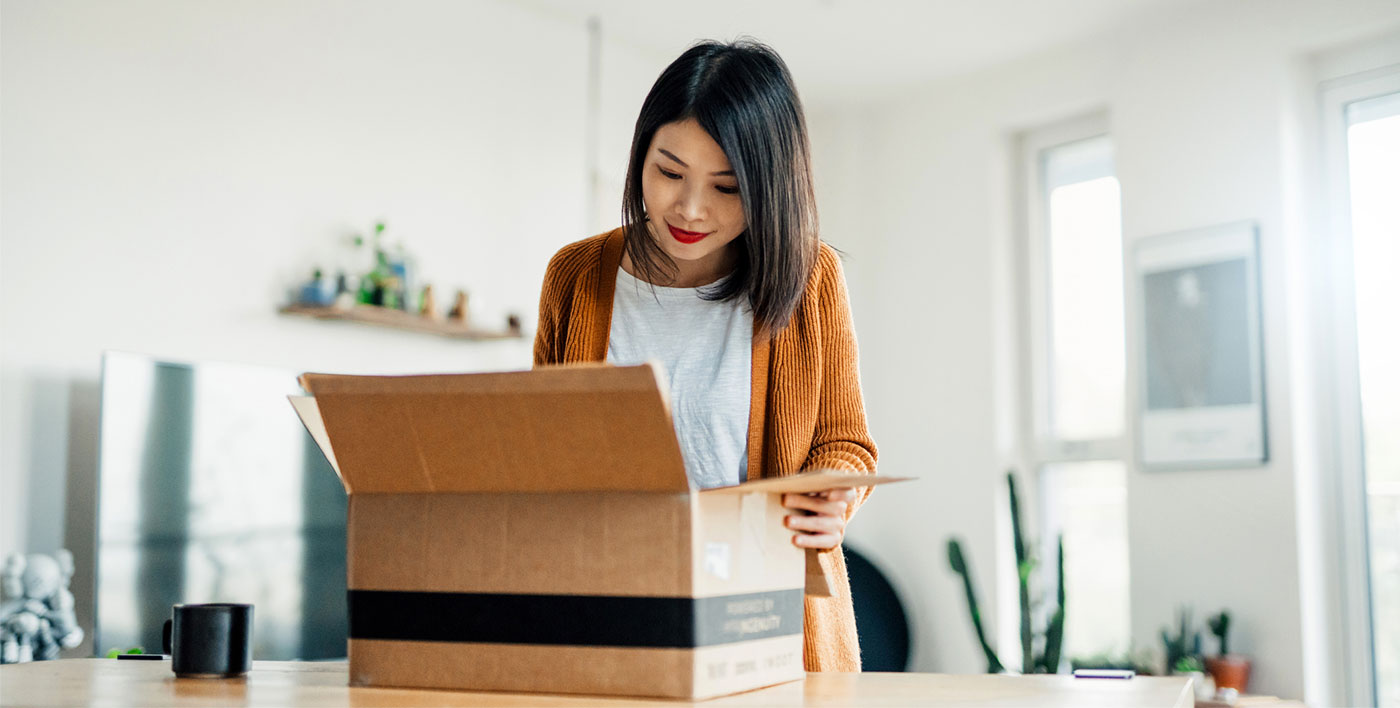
(1037, 448)
(1341, 418)
(1035, 301)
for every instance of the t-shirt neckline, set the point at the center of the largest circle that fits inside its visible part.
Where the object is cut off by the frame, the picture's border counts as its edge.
(625, 278)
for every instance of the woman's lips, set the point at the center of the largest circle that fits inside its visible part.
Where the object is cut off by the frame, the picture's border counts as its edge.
(685, 236)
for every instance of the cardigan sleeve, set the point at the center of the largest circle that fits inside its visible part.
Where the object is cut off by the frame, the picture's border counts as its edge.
(548, 333)
(572, 269)
(841, 439)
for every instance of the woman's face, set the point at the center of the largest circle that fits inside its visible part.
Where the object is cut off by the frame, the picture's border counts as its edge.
(693, 205)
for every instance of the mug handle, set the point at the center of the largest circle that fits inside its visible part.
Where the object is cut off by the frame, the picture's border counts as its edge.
(165, 636)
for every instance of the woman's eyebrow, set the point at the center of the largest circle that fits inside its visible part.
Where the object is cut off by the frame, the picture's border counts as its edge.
(667, 153)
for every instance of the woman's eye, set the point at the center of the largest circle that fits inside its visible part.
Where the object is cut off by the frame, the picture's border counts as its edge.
(674, 175)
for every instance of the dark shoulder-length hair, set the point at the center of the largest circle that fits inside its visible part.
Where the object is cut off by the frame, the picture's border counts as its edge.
(742, 95)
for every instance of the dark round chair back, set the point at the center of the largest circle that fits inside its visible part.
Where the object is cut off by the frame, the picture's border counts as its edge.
(880, 619)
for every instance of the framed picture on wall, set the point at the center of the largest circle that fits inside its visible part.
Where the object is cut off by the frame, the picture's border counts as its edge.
(1201, 380)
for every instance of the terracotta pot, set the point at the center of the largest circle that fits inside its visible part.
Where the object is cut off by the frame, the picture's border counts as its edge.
(1229, 671)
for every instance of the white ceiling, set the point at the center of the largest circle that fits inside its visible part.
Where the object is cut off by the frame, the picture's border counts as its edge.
(840, 49)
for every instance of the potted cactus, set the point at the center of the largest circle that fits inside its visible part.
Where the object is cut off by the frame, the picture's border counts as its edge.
(1183, 654)
(1185, 645)
(1228, 670)
(1040, 650)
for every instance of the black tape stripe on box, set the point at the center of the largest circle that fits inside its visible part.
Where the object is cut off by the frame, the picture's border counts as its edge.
(578, 620)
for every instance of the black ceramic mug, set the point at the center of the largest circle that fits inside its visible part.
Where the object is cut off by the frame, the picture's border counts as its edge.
(212, 640)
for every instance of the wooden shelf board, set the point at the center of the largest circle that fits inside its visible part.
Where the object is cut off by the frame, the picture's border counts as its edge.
(398, 319)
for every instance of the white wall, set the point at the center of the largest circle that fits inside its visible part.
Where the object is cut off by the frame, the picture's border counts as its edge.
(628, 73)
(171, 168)
(1205, 113)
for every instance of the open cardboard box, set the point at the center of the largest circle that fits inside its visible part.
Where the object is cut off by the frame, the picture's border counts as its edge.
(536, 531)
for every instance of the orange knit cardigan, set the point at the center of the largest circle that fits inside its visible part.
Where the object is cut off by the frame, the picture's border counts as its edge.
(806, 410)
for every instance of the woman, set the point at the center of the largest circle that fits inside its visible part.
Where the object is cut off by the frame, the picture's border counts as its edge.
(717, 272)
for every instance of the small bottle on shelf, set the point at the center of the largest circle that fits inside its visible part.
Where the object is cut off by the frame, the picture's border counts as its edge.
(458, 313)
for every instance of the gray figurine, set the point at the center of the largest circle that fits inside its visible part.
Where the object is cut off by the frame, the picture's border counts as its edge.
(36, 615)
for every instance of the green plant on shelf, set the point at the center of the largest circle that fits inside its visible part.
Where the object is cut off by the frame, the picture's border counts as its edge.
(1188, 664)
(1220, 626)
(382, 285)
(1185, 644)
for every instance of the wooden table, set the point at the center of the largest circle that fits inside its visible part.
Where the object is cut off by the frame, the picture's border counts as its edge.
(108, 682)
(1250, 700)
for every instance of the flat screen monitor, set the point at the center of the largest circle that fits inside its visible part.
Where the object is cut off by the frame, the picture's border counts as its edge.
(210, 490)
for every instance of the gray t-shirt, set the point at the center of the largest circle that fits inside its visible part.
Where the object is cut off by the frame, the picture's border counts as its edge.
(707, 351)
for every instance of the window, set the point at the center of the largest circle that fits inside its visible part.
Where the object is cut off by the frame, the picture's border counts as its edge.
(1373, 176)
(1361, 132)
(1075, 332)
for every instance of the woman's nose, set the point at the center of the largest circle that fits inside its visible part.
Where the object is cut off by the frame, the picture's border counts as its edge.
(691, 206)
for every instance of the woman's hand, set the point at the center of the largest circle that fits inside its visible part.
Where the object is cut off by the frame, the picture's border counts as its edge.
(821, 517)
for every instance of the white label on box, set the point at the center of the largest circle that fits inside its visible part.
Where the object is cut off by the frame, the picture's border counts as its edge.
(745, 665)
(717, 560)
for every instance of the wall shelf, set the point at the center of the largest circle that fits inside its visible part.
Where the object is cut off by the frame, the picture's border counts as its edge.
(398, 319)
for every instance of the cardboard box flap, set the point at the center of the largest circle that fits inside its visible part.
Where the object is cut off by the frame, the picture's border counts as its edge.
(810, 481)
(310, 415)
(555, 429)
(817, 584)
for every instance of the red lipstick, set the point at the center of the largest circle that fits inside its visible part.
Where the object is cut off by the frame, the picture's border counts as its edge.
(685, 236)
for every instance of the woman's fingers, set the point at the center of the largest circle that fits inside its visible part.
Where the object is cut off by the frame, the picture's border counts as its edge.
(845, 494)
(818, 504)
(815, 524)
(822, 522)
(816, 531)
(818, 541)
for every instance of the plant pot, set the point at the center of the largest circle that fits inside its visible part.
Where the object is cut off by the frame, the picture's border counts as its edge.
(1229, 671)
